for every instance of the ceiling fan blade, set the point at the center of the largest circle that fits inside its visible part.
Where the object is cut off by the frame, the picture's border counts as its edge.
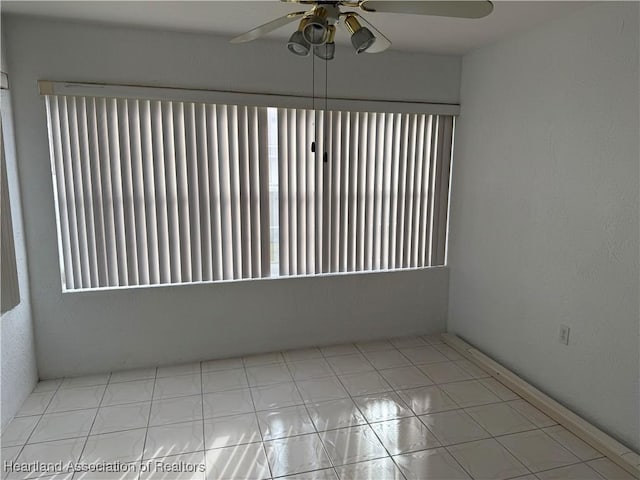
(459, 9)
(382, 43)
(267, 27)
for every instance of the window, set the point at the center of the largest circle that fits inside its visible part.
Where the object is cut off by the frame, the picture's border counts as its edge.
(10, 291)
(153, 192)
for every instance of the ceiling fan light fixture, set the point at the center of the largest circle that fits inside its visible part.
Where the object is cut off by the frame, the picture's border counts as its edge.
(297, 44)
(328, 50)
(316, 29)
(361, 37)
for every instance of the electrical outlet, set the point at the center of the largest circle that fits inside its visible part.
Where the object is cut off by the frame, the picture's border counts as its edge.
(564, 334)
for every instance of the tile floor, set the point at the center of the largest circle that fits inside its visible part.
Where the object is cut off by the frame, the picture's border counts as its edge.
(407, 408)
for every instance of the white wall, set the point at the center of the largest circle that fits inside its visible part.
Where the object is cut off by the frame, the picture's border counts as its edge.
(18, 374)
(544, 221)
(90, 332)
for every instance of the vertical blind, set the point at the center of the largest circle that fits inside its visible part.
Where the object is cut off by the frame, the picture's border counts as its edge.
(380, 202)
(158, 192)
(151, 192)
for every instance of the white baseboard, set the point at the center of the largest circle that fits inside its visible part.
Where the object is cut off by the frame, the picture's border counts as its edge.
(608, 446)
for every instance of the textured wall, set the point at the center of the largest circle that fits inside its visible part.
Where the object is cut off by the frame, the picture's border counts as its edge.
(544, 216)
(17, 350)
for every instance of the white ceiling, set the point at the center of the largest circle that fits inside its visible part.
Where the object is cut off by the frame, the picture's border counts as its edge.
(229, 18)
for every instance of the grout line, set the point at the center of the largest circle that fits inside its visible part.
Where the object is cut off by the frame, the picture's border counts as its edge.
(255, 414)
(146, 433)
(315, 428)
(367, 421)
(84, 446)
(204, 437)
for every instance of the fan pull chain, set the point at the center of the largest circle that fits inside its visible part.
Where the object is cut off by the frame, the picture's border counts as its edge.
(313, 98)
(326, 102)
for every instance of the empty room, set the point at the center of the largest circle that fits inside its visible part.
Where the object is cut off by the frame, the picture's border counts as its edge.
(320, 240)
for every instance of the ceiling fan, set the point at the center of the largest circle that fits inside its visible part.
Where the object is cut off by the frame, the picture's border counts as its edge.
(317, 28)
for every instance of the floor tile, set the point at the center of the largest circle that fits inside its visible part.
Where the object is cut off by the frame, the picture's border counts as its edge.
(263, 359)
(174, 439)
(335, 414)
(192, 368)
(175, 410)
(86, 381)
(487, 460)
(187, 466)
(221, 364)
(572, 443)
(435, 463)
(382, 406)
(48, 385)
(228, 431)
(500, 419)
(63, 451)
(128, 392)
(364, 383)
(9, 454)
(237, 463)
(537, 451)
(445, 372)
(132, 375)
(448, 352)
(374, 345)
(231, 402)
(405, 435)
(299, 454)
(632, 457)
(76, 398)
(224, 380)
(405, 377)
(324, 474)
(316, 368)
(302, 354)
(121, 417)
(381, 469)
(532, 414)
(123, 447)
(580, 471)
(382, 359)
(178, 386)
(433, 338)
(276, 396)
(472, 368)
(321, 389)
(469, 393)
(58, 426)
(422, 355)
(268, 375)
(609, 470)
(353, 444)
(345, 364)
(335, 350)
(498, 389)
(453, 427)
(18, 430)
(285, 422)
(427, 400)
(407, 342)
(35, 404)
